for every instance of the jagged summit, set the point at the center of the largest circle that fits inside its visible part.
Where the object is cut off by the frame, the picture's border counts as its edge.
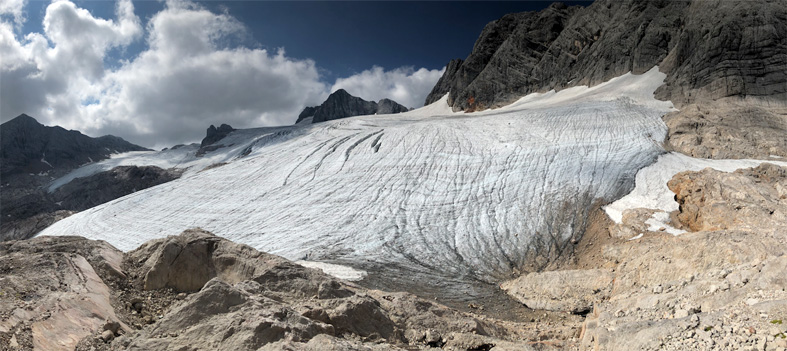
(214, 134)
(341, 104)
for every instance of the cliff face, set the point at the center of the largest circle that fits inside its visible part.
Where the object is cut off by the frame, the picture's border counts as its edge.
(708, 49)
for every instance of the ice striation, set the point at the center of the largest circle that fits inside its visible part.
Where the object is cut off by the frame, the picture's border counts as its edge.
(456, 196)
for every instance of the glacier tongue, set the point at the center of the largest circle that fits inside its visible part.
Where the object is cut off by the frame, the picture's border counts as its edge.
(468, 196)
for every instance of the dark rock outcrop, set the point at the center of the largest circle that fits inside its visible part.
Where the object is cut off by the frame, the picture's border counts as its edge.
(83, 193)
(215, 134)
(341, 104)
(388, 107)
(306, 113)
(26, 215)
(708, 49)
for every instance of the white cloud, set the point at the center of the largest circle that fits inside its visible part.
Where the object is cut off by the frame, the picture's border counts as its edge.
(15, 9)
(184, 81)
(403, 85)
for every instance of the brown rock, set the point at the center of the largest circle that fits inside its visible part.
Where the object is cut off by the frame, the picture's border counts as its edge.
(571, 291)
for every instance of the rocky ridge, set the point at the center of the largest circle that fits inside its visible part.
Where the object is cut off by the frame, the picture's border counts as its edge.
(30, 147)
(341, 104)
(27, 215)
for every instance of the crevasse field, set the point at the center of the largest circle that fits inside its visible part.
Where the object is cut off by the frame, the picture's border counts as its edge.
(457, 197)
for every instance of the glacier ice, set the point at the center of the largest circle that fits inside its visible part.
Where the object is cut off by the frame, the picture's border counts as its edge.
(470, 196)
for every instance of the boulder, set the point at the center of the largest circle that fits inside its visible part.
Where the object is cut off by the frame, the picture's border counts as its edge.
(574, 291)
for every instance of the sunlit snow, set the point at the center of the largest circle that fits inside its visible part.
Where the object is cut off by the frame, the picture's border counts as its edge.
(468, 196)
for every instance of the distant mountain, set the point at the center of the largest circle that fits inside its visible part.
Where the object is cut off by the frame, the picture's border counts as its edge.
(32, 155)
(341, 104)
(214, 134)
(27, 146)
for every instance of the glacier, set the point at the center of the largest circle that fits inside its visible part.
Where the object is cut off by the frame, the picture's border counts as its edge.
(429, 196)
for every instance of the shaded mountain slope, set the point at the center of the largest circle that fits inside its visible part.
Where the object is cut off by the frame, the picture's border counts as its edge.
(340, 104)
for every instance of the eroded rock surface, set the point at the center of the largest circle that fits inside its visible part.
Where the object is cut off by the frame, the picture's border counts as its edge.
(720, 287)
(733, 52)
(51, 291)
(201, 292)
(729, 129)
(753, 199)
(574, 291)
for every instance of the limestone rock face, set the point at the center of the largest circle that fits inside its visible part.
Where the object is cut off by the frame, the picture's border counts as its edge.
(748, 199)
(83, 193)
(24, 216)
(31, 155)
(341, 104)
(30, 147)
(306, 113)
(220, 316)
(709, 50)
(719, 287)
(729, 129)
(51, 291)
(573, 291)
(388, 106)
(197, 291)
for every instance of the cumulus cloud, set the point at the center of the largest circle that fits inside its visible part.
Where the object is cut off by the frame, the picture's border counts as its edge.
(14, 9)
(404, 85)
(186, 79)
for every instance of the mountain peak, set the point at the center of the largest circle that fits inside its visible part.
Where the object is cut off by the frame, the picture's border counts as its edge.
(341, 92)
(23, 119)
(341, 104)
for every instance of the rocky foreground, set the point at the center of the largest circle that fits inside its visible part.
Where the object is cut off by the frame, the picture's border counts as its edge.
(719, 287)
(197, 291)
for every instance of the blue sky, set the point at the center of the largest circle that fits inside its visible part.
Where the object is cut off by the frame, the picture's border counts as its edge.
(159, 73)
